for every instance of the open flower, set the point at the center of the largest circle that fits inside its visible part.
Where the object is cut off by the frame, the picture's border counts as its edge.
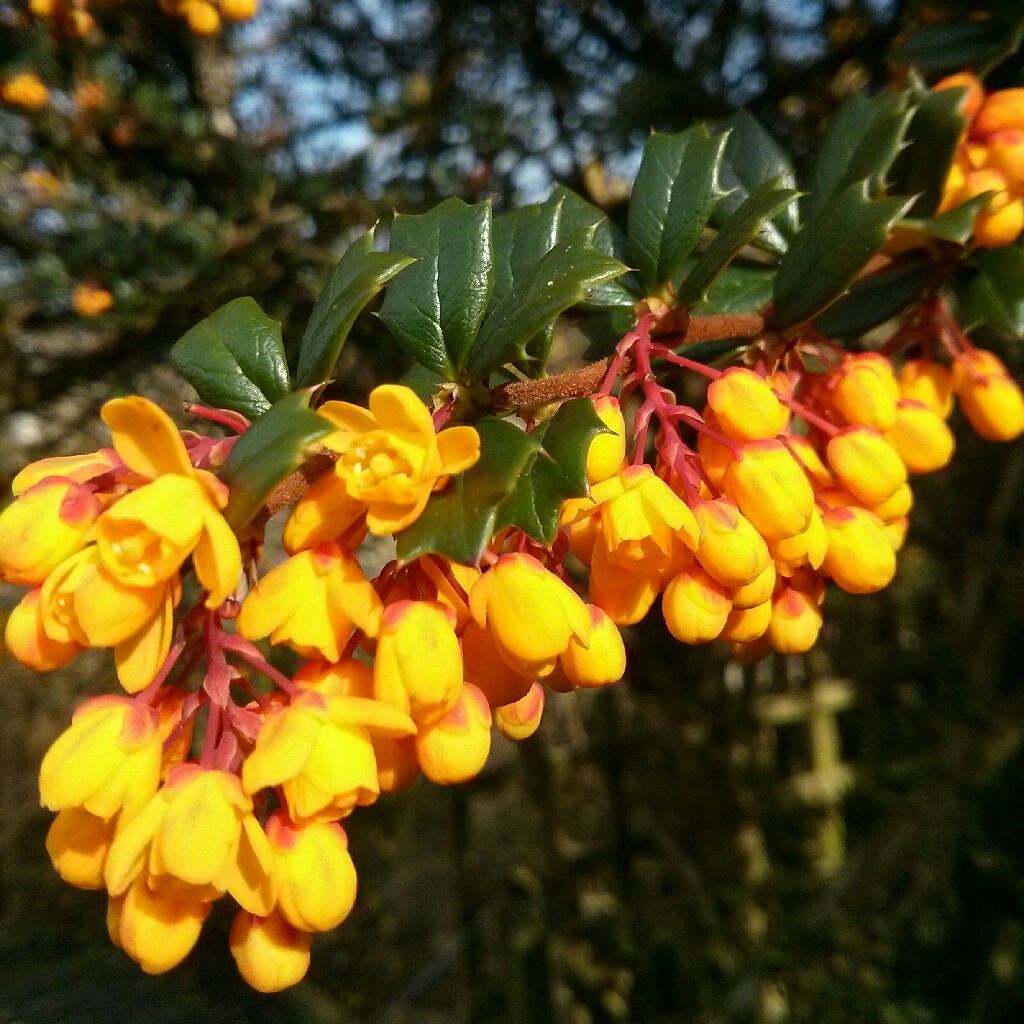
(144, 537)
(391, 459)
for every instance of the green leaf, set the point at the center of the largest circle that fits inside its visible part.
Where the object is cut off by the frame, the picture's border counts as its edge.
(862, 140)
(459, 520)
(576, 213)
(828, 254)
(875, 299)
(558, 472)
(235, 359)
(995, 296)
(932, 139)
(557, 281)
(746, 223)
(953, 45)
(272, 448)
(954, 225)
(357, 278)
(675, 193)
(752, 157)
(740, 288)
(434, 309)
(422, 381)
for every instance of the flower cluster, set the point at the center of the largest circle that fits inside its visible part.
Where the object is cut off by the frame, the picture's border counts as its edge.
(990, 159)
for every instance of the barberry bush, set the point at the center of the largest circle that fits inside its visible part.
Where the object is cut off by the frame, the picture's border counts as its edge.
(771, 362)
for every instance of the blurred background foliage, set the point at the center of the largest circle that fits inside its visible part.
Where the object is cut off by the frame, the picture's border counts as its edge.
(828, 839)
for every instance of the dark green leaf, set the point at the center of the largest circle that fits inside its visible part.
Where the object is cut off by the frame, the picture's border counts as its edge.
(235, 359)
(954, 225)
(576, 214)
(423, 381)
(559, 280)
(953, 45)
(753, 214)
(558, 472)
(357, 278)
(752, 157)
(675, 193)
(875, 299)
(459, 520)
(828, 254)
(995, 297)
(272, 448)
(862, 140)
(932, 139)
(739, 289)
(434, 309)
(707, 351)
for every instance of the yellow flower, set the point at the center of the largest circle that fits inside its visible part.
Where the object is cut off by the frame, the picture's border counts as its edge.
(25, 89)
(529, 611)
(770, 489)
(455, 748)
(318, 750)
(604, 661)
(27, 640)
(859, 557)
(83, 603)
(317, 879)
(45, 525)
(606, 451)
(77, 844)
(270, 953)
(155, 929)
(140, 535)
(391, 459)
(78, 468)
(418, 667)
(745, 406)
(521, 719)
(696, 606)
(107, 761)
(311, 602)
(196, 839)
(866, 464)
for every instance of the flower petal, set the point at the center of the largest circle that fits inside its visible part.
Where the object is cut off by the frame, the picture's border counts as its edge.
(217, 558)
(145, 437)
(459, 448)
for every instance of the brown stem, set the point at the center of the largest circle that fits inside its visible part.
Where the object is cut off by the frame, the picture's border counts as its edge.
(521, 394)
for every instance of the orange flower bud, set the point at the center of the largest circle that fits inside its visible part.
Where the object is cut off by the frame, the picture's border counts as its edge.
(607, 451)
(920, 437)
(43, 527)
(747, 624)
(745, 406)
(486, 668)
(895, 507)
(91, 300)
(317, 879)
(239, 10)
(975, 95)
(270, 954)
(604, 661)
(795, 622)
(520, 720)
(770, 489)
(866, 464)
(156, 930)
(807, 548)
(859, 556)
(529, 611)
(1006, 154)
(455, 748)
(77, 843)
(1001, 111)
(929, 383)
(25, 90)
(27, 641)
(866, 391)
(973, 364)
(996, 227)
(418, 667)
(731, 550)
(202, 17)
(398, 767)
(994, 406)
(756, 592)
(695, 606)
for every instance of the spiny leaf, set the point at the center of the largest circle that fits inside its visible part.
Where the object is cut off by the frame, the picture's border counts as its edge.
(675, 192)
(828, 254)
(749, 218)
(862, 140)
(358, 277)
(459, 520)
(740, 288)
(995, 296)
(553, 284)
(272, 448)
(558, 472)
(752, 157)
(875, 299)
(435, 308)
